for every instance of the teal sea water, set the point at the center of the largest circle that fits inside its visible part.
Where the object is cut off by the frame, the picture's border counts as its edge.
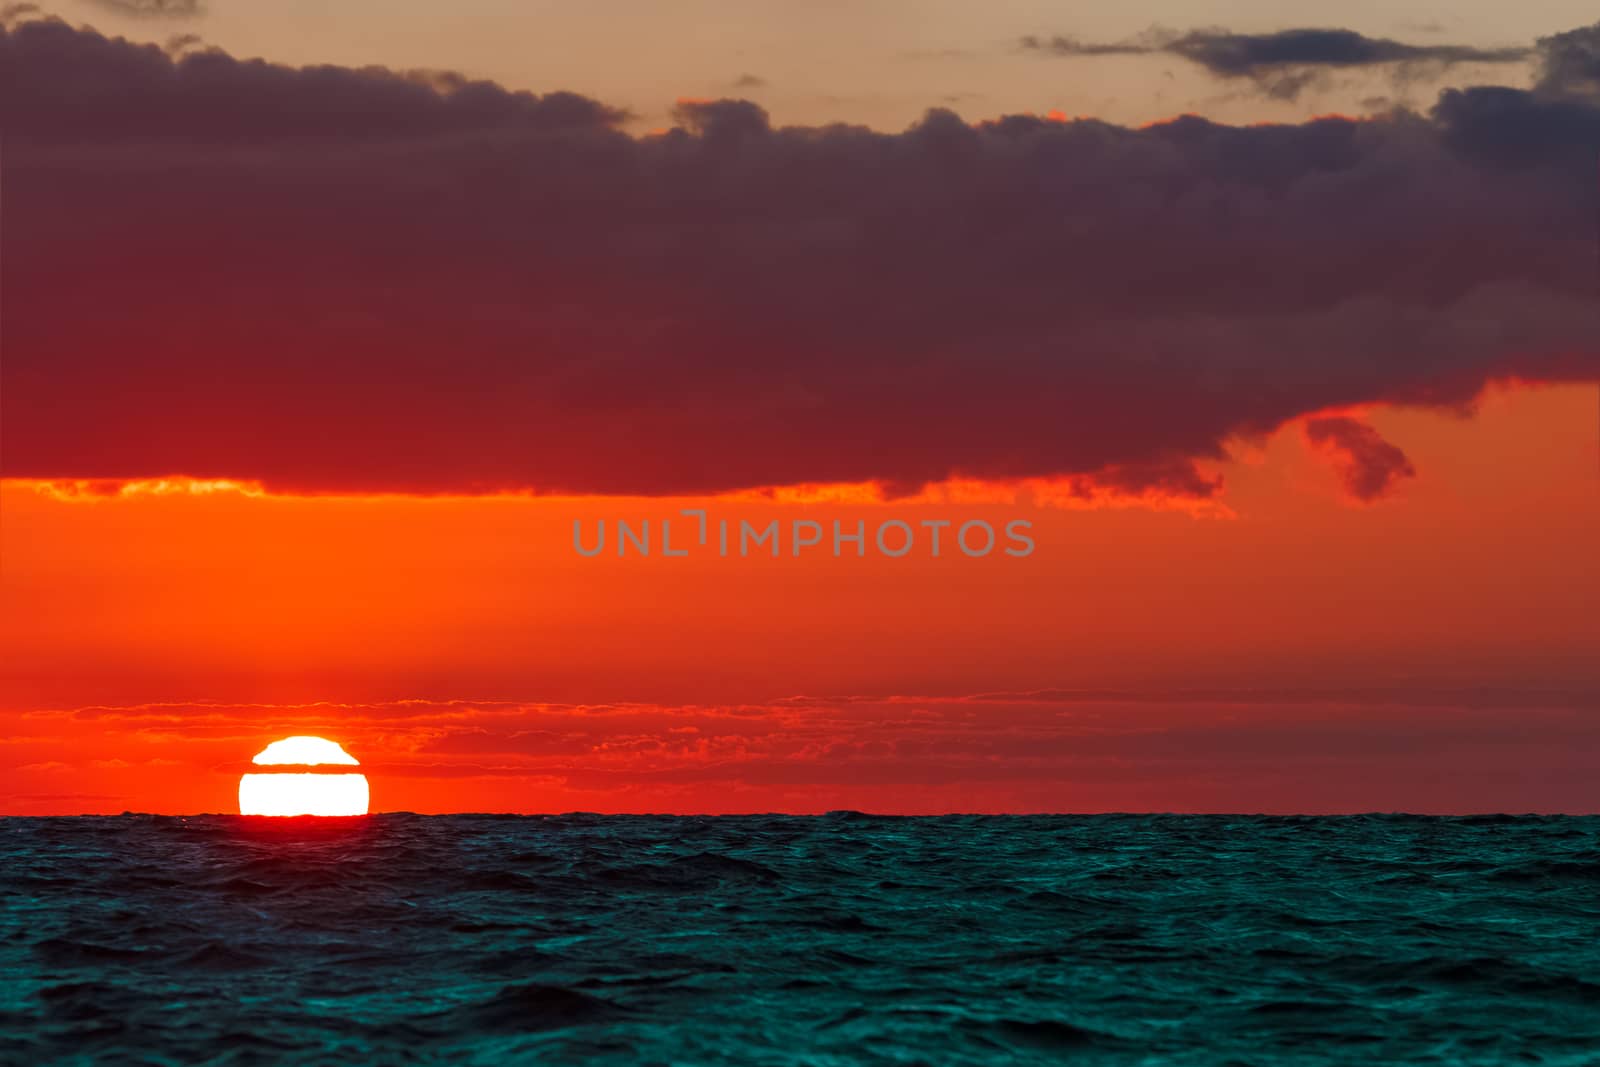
(838, 939)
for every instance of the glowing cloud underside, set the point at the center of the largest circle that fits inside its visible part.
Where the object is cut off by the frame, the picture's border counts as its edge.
(303, 794)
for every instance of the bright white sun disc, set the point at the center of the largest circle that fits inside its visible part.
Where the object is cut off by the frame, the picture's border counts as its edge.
(305, 751)
(291, 791)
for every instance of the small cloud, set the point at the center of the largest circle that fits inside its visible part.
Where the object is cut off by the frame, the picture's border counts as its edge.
(1143, 45)
(938, 53)
(179, 43)
(749, 81)
(159, 9)
(1368, 466)
(1285, 63)
(1569, 63)
(11, 13)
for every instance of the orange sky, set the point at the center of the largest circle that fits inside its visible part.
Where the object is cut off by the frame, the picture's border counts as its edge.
(876, 62)
(459, 647)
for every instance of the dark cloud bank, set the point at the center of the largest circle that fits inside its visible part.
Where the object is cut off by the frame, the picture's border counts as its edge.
(334, 279)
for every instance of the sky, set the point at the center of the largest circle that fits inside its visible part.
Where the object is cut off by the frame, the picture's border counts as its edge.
(323, 330)
(880, 63)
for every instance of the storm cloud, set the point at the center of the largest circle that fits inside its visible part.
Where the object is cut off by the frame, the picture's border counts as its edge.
(329, 279)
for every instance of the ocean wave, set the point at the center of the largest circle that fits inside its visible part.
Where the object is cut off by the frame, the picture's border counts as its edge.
(845, 938)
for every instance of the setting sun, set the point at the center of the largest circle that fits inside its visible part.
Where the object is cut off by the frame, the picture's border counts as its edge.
(291, 787)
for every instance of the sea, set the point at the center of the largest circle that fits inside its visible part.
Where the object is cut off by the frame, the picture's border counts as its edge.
(836, 939)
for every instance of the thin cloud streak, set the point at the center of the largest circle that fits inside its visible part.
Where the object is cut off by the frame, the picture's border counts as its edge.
(153, 9)
(1292, 753)
(1284, 63)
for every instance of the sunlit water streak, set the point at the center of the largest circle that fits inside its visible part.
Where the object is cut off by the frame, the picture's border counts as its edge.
(837, 939)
